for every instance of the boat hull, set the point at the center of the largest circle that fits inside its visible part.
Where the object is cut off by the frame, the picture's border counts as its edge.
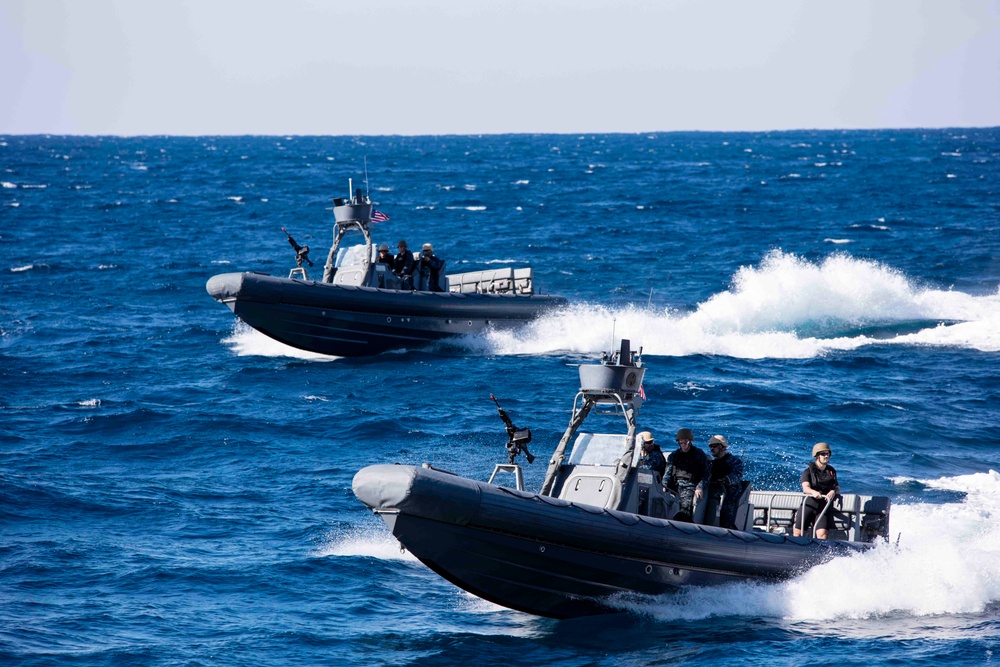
(550, 557)
(350, 321)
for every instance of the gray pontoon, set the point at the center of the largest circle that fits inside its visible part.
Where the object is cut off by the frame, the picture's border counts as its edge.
(360, 307)
(565, 550)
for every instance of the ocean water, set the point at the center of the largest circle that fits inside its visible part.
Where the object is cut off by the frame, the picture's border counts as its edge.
(175, 489)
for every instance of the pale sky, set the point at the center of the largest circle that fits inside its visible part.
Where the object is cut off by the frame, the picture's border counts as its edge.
(134, 67)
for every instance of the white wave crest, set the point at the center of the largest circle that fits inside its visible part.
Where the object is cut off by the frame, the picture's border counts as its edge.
(787, 307)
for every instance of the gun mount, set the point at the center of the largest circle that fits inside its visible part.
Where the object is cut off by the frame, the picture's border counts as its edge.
(517, 438)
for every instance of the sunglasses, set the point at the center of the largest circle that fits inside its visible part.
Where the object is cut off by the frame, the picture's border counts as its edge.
(824, 454)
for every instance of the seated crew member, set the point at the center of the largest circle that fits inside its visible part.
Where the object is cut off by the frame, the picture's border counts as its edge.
(819, 482)
(430, 268)
(383, 256)
(727, 475)
(403, 265)
(688, 472)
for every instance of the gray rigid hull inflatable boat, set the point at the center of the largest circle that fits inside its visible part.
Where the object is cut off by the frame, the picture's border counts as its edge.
(564, 551)
(361, 307)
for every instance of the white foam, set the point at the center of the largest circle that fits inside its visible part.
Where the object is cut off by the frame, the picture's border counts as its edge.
(787, 307)
(371, 541)
(90, 403)
(18, 269)
(246, 341)
(8, 185)
(945, 563)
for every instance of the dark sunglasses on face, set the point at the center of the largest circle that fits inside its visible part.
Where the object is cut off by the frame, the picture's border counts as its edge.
(824, 454)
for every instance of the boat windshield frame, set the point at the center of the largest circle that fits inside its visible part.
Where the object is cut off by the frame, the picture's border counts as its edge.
(341, 229)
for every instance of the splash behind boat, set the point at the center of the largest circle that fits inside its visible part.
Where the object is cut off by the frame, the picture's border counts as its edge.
(599, 525)
(361, 307)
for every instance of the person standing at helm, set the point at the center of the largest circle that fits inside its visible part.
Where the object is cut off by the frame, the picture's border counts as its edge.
(819, 483)
(652, 456)
(653, 464)
(688, 472)
(430, 269)
(403, 265)
(726, 480)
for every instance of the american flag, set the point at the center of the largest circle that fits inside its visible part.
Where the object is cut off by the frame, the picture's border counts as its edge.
(378, 216)
(642, 392)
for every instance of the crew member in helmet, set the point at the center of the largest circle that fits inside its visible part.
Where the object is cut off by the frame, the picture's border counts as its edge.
(383, 255)
(653, 462)
(430, 269)
(819, 482)
(688, 471)
(726, 481)
(652, 456)
(403, 265)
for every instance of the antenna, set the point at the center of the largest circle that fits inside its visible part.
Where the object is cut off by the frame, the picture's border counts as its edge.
(613, 320)
(350, 189)
(368, 191)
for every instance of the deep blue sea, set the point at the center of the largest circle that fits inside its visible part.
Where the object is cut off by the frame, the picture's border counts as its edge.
(175, 488)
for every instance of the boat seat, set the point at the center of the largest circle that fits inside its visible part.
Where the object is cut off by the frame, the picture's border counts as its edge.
(592, 485)
(523, 281)
(422, 284)
(491, 281)
(774, 511)
(713, 507)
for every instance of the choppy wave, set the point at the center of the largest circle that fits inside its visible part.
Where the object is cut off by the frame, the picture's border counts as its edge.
(787, 307)
(945, 563)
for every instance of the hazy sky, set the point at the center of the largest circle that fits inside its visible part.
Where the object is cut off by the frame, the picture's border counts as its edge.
(486, 66)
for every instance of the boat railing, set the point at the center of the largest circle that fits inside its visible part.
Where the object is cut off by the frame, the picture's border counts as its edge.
(505, 280)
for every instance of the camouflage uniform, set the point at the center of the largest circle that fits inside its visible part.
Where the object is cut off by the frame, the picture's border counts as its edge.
(687, 471)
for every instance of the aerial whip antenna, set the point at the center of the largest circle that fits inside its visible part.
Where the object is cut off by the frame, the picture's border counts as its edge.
(368, 190)
(613, 320)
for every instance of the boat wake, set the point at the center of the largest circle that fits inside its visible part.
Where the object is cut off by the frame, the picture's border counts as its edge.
(246, 341)
(787, 307)
(944, 564)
